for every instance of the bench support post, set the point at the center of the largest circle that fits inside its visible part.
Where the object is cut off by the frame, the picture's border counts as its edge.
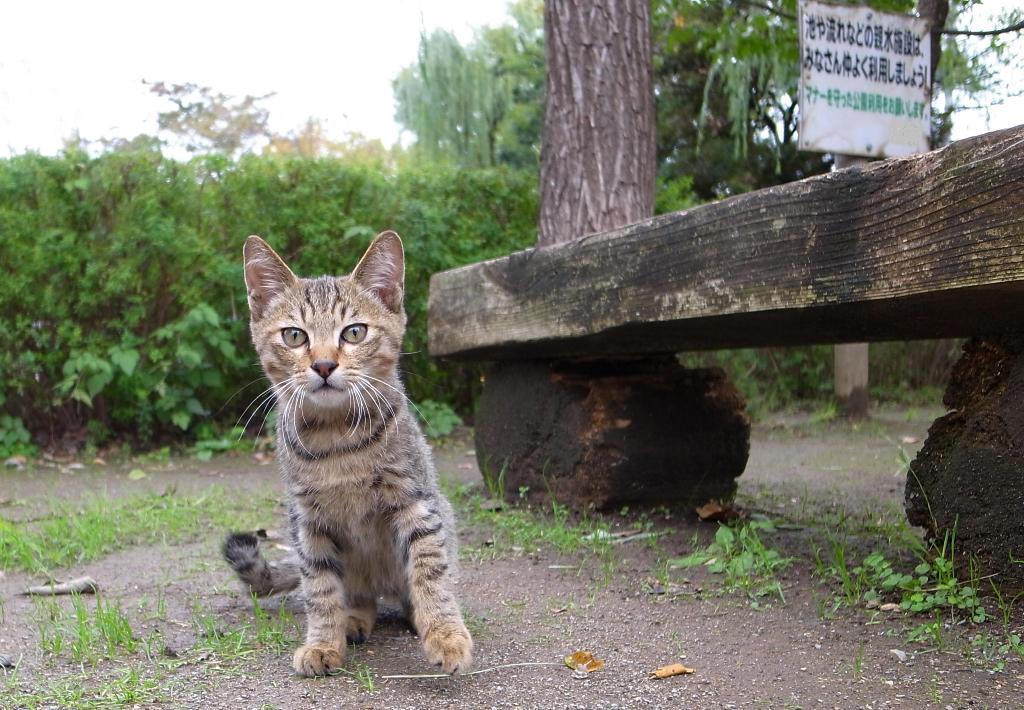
(851, 378)
(603, 434)
(968, 478)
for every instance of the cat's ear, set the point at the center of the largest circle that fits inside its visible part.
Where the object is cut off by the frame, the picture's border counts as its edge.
(381, 271)
(266, 275)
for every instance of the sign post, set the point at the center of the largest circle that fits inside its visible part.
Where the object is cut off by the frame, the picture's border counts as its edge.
(865, 90)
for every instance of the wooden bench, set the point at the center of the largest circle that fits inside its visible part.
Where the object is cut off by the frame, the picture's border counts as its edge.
(585, 400)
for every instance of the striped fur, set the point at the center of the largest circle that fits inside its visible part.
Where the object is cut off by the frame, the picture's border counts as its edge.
(366, 517)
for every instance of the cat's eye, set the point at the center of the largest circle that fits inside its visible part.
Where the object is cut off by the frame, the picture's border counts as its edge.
(354, 333)
(293, 337)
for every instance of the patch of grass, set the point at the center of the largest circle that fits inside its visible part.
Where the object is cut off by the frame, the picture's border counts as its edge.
(134, 686)
(516, 530)
(495, 484)
(824, 412)
(77, 532)
(931, 588)
(276, 632)
(477, 625)
(358, 670)
(90, 630)
(991, 651)
(740, 555)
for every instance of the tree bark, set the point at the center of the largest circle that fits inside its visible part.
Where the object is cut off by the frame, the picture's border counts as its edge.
(598, 145)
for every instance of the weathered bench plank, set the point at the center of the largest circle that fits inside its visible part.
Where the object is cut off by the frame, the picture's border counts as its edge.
(927, 246)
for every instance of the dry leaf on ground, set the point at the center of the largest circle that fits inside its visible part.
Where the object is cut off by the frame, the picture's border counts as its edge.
(671, 670)
(715, 511)
(584, 660)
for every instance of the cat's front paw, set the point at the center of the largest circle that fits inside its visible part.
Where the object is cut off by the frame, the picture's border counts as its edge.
(317, 659)
(450, 646)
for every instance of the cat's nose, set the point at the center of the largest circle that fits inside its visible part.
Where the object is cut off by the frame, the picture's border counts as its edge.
(324, 368)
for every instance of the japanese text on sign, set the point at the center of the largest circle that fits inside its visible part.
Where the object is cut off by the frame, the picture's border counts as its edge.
(864, 82)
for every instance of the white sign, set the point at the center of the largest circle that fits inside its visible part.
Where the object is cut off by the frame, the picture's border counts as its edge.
(865, 81)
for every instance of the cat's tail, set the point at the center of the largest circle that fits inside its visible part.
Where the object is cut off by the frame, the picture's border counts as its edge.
(263, 578)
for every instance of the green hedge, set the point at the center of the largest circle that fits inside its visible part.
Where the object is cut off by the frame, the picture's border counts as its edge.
(122, 301)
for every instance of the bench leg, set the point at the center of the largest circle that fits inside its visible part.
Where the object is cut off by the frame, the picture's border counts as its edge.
(604, 434)
(969, 475)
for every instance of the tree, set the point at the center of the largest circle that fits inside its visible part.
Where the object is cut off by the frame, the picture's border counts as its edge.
(311, 141)
(478, 105)
(598, 150)
(211, 122)
(709, 136)
(727, 73)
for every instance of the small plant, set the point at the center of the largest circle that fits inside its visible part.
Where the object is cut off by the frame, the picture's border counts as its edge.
(360, 672)
(825, 412)
(929, 632)
(439, 419)
(495, 484)
(739, 554)
(208, 443)
(991, 651)
(15, 439)
(858, 660)
(933, 585)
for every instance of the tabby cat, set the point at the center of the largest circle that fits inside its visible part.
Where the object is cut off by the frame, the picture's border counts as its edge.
(365, 514)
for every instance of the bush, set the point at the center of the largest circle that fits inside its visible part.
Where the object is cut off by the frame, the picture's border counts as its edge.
(123, 303)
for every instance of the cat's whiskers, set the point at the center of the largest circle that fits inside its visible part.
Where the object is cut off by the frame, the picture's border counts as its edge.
(237, 392)
(356, 399)
(268, 397)
(401, 393)
(378, 398)
(292, 407)
(287, 386)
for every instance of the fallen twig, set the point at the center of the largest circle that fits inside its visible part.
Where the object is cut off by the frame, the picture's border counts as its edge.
(79, 585)
(482, 670)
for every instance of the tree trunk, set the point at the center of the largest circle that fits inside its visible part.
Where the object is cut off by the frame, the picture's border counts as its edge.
(936, 12)
(967, 482)
(611, 433)
(598, 149)
(605, 432)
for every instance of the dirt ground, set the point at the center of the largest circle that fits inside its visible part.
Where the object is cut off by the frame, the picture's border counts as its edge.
(537, 605)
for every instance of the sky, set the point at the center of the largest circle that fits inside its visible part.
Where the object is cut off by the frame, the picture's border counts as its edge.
(69, 66)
